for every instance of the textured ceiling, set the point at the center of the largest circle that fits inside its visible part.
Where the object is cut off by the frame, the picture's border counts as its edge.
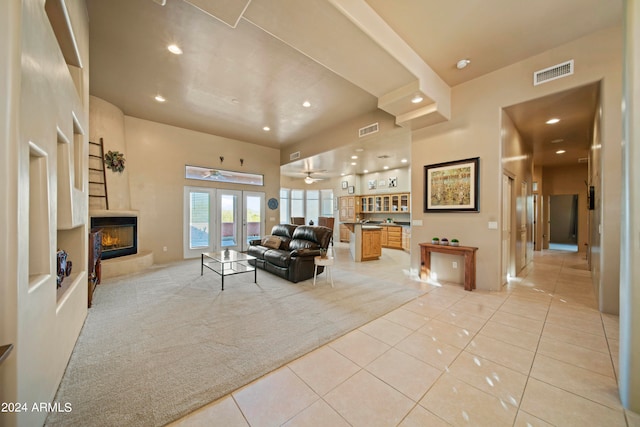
(250, 64)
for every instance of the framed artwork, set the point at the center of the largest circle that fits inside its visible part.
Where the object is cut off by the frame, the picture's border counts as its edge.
(382, 183)
(393, 181)
(345, 184)
(372, 184)
(352, 189)
(452, 186)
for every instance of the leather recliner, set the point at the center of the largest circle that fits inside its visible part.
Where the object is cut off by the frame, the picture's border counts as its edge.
(290, 249)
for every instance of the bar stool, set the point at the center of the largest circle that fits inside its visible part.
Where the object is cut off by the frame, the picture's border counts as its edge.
(326, 263)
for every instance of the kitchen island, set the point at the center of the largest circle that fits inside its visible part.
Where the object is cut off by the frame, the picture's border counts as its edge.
(365, 243)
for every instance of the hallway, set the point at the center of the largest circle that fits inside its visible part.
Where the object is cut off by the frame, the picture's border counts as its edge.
(537, 353)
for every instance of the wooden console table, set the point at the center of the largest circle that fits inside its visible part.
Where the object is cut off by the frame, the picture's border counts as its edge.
(468, 252)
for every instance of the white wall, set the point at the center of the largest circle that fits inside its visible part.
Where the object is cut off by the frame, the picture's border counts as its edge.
(156, 158)
(40, 101)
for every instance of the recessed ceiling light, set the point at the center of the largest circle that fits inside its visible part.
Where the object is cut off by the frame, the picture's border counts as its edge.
(366, 171)
(160, 98)
(385, 167)
(175, 49)
(306, 104)
(266, 128)
(404, 160)
(417, 99)
(342, 174)
(359, 150)
(555, 141)
(353, 163)
(560, 152)
(553, 121)
(462, 64)
(354, 157)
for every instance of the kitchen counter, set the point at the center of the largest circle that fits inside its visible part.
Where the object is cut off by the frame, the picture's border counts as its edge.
(365, 242)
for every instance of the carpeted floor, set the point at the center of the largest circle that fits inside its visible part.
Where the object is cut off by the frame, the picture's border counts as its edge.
(158, 345)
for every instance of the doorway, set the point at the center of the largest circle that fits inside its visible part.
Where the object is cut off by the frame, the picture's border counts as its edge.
(216, 219)
(563, 222)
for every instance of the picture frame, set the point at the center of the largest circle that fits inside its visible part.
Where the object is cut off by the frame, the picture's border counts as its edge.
(351, 190)
(393, 181)
(452, 186)
(345, 184)
(373, 184)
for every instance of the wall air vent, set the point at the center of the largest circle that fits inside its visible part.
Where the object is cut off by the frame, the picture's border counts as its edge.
(552, 73)
(294, 156)
(367, 130)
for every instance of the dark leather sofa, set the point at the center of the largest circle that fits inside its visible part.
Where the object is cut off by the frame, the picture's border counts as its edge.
(290, 249)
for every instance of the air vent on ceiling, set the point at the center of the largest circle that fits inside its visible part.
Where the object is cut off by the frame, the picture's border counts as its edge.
(373, 128)
(552, 73)
(294, 156)
(583, 160)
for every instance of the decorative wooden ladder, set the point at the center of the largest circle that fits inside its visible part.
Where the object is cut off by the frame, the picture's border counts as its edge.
(97, 172)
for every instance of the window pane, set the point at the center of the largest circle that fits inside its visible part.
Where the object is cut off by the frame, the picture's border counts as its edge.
(326, 202)
(227, 225)
(253, 218)
(198, 220)
(285, 217)
(313, 206)
(297, 203)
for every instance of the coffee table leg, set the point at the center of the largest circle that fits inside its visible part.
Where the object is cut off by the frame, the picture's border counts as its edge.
(201, 264)
(222, 276)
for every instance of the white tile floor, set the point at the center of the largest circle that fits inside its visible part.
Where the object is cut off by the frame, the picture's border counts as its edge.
(535, 354)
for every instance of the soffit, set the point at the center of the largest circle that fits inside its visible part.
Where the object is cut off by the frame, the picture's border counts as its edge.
(576, 109)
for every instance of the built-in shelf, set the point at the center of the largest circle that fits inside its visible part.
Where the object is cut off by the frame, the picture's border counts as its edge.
(4, 351)
(72, 241)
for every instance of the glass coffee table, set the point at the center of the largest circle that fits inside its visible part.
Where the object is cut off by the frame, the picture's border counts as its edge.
(227, 263)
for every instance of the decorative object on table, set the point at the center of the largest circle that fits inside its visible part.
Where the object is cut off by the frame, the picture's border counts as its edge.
(310, 222)
(272, 203)
(393, 181)
(452, 186)
(455, 242)
(444, 241)
(114, 160)
(64, 267)
(226, 253)
(345, 185)
(435, 241)
(323, 253)
(351, 190)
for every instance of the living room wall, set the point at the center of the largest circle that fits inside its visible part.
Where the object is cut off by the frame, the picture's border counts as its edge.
(475, 131)
(156, 157)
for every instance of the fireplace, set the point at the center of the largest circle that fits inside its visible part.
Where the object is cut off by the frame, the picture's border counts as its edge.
(119, 235)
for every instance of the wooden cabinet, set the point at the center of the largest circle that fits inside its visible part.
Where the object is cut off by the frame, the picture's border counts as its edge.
(345, 233)
(348, 208)
(371, 247)
(391, 236)
(388, 203)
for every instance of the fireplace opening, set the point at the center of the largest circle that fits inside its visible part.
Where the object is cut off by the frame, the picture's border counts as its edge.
(119, 235)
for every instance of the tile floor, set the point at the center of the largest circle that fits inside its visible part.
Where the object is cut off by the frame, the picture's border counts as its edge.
(537, 353)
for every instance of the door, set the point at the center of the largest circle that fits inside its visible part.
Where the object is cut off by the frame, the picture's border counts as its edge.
(253, 213)
(241, 218)
(216, 219)
(198, 221)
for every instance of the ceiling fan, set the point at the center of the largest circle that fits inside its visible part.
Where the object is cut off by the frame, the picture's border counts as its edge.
(309, 180)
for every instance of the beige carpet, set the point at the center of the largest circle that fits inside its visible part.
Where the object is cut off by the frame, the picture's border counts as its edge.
(158, 345)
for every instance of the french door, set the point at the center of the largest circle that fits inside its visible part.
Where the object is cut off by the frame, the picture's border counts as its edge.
(217, 219)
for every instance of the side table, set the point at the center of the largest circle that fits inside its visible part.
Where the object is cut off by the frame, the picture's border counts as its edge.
(326, 263)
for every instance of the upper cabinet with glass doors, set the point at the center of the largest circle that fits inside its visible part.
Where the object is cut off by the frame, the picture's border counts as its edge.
(388, 203)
